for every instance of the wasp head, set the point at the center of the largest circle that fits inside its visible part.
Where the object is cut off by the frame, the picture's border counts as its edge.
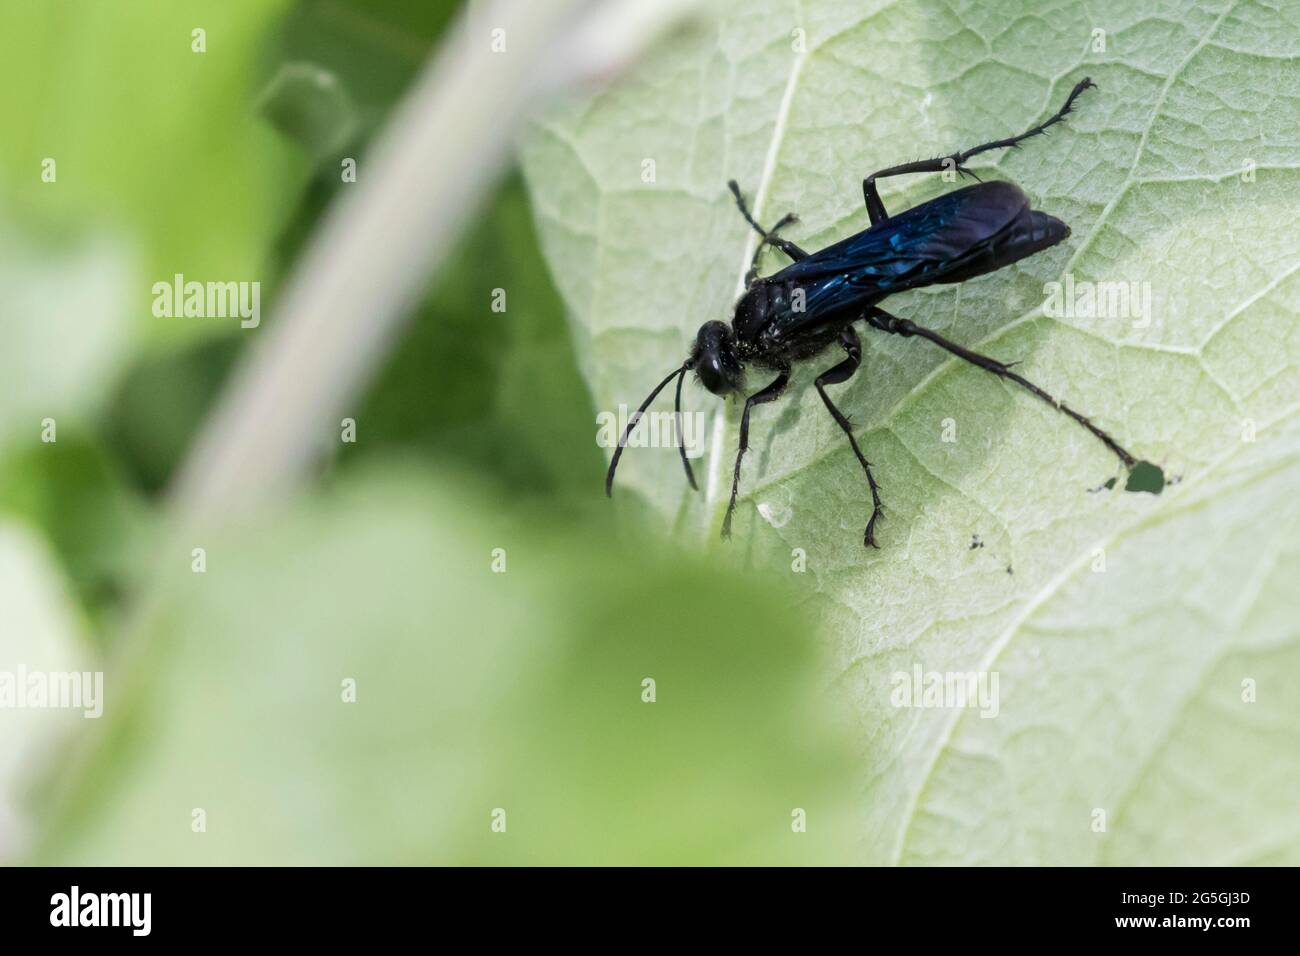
(714, 359)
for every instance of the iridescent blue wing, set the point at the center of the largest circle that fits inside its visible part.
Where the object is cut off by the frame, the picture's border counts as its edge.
(937, 241)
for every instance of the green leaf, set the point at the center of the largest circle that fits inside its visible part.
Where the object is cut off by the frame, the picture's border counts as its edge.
(483, 680)
(1125, 691)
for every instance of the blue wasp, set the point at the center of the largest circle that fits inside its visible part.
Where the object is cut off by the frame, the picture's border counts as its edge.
(814, 303)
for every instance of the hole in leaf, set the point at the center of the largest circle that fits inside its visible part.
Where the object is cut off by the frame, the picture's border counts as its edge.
(1146, 477)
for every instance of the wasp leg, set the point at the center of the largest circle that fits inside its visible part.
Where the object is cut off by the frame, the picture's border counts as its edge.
(769, 394)
(833, 376)
(770, 240)
(957, 161)
(770, 237)
(891, 323)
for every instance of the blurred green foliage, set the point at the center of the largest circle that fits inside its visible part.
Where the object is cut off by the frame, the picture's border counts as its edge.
(498, 392)
(521, 690)
(153, 142)
(484, 679)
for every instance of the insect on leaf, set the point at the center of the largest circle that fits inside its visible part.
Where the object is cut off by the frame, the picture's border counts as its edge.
(1143, 648)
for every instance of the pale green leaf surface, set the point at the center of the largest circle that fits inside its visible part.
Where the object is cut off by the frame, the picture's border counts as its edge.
(1121, 689)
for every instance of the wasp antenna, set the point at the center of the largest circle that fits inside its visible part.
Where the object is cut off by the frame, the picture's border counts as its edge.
(632, 423)
(677, 420)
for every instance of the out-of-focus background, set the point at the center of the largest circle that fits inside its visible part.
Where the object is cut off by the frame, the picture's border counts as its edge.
(442, 648)
(440, 644)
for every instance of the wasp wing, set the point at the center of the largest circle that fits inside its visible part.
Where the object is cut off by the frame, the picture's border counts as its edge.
(951, 238)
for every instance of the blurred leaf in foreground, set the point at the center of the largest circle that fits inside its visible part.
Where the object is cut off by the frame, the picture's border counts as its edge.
(40, 633)
(522, 690)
